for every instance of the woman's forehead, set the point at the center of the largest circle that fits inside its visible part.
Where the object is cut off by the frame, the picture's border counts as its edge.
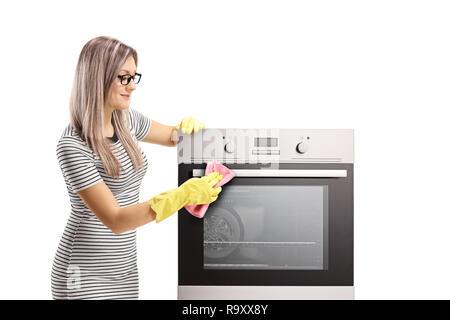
(129, 65)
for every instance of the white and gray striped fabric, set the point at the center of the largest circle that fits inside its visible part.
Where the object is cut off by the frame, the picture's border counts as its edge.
(92, 262)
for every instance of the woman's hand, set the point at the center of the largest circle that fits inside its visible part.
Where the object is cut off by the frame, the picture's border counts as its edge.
(189, 124)
(192, 192)
(201, 190)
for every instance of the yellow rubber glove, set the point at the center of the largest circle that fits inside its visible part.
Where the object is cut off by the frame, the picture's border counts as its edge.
(189, 124)
(193, 191)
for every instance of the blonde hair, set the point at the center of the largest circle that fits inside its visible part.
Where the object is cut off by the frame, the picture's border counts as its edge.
(97, 69)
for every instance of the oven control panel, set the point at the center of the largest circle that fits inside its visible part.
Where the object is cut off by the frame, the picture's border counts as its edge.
(302, 146)
(266, 145)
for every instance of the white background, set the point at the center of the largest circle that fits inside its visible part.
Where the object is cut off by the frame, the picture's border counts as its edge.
(379, 67)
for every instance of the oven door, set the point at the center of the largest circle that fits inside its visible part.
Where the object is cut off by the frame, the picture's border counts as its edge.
(290, 226)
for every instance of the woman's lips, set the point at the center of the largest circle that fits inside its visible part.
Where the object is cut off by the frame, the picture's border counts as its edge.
(126, 96)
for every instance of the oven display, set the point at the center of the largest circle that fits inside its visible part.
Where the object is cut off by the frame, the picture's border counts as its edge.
(266, 142)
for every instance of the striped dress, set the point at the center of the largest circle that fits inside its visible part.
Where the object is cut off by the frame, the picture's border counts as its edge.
(92, 262)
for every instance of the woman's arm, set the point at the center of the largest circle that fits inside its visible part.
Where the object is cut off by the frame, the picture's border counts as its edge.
(118, 219)
(167, 135)
(160, 134)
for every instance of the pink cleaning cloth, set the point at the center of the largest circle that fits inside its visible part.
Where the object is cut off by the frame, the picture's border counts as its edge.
(199, 210)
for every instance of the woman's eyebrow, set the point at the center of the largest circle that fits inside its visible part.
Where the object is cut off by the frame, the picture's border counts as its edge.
(126, 71)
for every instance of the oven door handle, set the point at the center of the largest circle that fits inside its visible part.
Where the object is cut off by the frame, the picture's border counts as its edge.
(306, 173)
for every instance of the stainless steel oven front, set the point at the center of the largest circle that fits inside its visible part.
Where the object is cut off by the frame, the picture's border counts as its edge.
(282, 228)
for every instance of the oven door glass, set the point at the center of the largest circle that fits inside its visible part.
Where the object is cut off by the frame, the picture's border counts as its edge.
(267, 227)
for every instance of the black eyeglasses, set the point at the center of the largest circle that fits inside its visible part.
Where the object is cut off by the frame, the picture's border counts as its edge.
(126, 78)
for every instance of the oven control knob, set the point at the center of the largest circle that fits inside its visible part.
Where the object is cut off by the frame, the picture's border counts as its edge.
(302, 147)
(229, 147)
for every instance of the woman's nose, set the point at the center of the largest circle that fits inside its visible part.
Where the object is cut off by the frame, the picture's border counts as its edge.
(131, 86)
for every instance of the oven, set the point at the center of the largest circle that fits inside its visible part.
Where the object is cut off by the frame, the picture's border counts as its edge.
(282, 228)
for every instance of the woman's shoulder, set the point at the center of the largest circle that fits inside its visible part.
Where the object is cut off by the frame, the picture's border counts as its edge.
(139, 123)
(132, 115)
(70, 133)
(135, 116)
(71, 139)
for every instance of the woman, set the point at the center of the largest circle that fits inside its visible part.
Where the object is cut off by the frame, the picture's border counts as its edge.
(103, 166)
